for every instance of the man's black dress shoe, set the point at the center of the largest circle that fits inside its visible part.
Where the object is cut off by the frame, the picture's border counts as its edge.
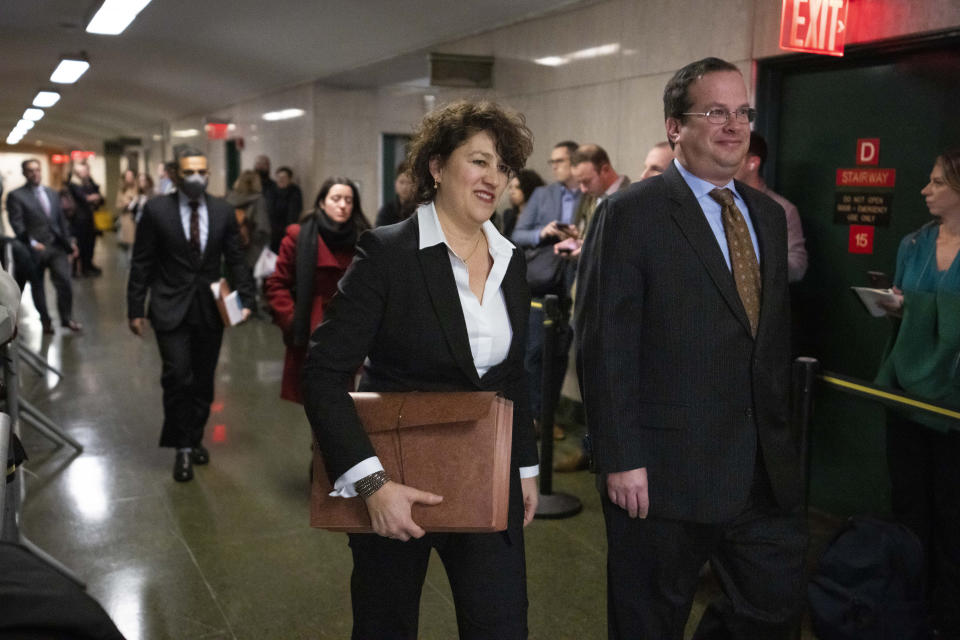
(47, 326)
(182, 467)
(73, 325)
(199, 455)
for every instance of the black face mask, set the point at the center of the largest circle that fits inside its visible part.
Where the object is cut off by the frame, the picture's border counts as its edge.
(193, 186)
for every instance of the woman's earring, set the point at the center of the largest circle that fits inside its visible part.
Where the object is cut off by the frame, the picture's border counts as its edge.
(436, 183)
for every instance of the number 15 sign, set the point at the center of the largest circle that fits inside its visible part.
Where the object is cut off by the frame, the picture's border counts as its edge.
(814, 26)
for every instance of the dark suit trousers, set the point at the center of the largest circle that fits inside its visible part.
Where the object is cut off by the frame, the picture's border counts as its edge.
(54, 259)
(653, 566)
(189, 353)
(925, 476)
(487, 574)
(86, 234)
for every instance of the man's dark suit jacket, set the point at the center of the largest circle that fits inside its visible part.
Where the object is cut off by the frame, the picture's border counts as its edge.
(164, 263)
(398, 306)
(29, 222)
(672, 379)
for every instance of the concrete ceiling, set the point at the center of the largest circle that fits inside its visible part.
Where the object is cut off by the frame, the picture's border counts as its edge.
(185, 57)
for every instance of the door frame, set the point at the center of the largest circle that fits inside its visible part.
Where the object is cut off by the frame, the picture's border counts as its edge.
(770, 73)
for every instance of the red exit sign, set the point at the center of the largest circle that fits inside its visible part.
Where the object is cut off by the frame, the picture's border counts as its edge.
(814, 26)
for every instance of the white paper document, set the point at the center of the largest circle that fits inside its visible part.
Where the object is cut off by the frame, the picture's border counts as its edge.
(871, 299)
(231, 310)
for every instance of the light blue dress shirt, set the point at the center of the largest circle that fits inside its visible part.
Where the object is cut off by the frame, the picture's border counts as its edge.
(713, 211)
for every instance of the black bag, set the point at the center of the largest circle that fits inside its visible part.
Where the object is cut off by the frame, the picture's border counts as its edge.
(546, 271)
(869, 584)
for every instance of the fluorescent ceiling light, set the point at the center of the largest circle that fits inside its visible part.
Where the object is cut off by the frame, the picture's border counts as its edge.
(551, 61)
(13, 138)
(33, 114)
(157, 137)
(69, 71)
(185, 133)
(283, 114)
(26, 125)
(115, 16)
(46, 98)
(581, 54)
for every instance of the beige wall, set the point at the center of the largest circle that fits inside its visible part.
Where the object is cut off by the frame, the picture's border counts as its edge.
(613, 100)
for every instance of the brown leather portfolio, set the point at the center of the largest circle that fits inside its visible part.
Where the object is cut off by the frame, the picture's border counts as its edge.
(454, 444)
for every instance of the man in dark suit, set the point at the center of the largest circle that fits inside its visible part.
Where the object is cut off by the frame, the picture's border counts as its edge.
(181, 240)
(683, 344)
(39, 225)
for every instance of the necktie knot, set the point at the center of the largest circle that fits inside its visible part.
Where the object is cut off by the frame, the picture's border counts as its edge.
(723, 196)
(194, 205)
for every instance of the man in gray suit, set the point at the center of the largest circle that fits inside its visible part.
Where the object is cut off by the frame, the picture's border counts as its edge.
(38, 223)
(683, 334)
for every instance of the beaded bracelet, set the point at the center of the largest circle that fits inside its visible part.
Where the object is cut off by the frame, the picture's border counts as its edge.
(369, 485)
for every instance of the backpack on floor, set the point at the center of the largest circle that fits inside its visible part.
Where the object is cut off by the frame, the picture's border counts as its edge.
(869, 584)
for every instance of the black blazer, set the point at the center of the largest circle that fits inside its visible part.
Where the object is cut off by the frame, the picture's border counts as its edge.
(398, 307)
(29, 222)
(164, 263)
(671, 377)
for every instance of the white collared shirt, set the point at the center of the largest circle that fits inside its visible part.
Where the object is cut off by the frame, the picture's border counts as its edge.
(487, 320)
(185, 218)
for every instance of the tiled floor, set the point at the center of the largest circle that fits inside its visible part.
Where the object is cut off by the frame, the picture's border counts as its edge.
(230, 554)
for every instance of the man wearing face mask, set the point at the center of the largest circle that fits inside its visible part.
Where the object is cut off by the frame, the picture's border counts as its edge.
(181, 240)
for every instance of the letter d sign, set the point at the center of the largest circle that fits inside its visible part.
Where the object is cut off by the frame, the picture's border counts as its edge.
(868, 150)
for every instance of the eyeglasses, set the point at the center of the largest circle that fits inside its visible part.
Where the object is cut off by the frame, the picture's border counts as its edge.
(743, 115)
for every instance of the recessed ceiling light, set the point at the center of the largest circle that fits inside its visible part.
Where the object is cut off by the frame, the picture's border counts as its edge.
(283, 114)
(46, 98)
(33, 114)
(26, 125)
(185, 133)
(69, 71)
(114, 16)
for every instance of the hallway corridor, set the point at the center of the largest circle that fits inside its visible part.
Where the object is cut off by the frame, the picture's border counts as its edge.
(230, 554)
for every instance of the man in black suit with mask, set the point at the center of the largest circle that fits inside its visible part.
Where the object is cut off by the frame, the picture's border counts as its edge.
(683, 328)
(181, 240)
(40, 226)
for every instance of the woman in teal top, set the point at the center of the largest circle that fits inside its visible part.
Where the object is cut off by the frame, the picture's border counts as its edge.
(923, 450)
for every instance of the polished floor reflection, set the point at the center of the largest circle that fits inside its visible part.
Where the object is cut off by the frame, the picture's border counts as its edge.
(230, 554)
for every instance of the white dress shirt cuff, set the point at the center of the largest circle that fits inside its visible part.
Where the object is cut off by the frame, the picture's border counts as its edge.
(530, 472)
(343, 487)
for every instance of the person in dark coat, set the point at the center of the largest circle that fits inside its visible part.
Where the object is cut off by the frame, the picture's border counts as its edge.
(403, 204)
(519, 191)
(86, 195)
(313, 257)
(182, 239)
(287, 207)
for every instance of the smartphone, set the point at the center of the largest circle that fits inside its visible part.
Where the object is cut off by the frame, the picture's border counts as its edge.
(879, 280)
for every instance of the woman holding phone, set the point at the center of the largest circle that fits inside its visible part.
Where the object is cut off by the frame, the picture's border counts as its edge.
(437, 302)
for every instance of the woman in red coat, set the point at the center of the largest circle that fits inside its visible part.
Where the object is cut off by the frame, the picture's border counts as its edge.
(313, 256)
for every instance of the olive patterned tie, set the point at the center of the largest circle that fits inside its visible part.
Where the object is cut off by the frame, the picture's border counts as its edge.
(743, 259)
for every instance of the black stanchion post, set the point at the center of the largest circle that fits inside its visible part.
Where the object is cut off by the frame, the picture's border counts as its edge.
(801, 403)
(552, 505)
